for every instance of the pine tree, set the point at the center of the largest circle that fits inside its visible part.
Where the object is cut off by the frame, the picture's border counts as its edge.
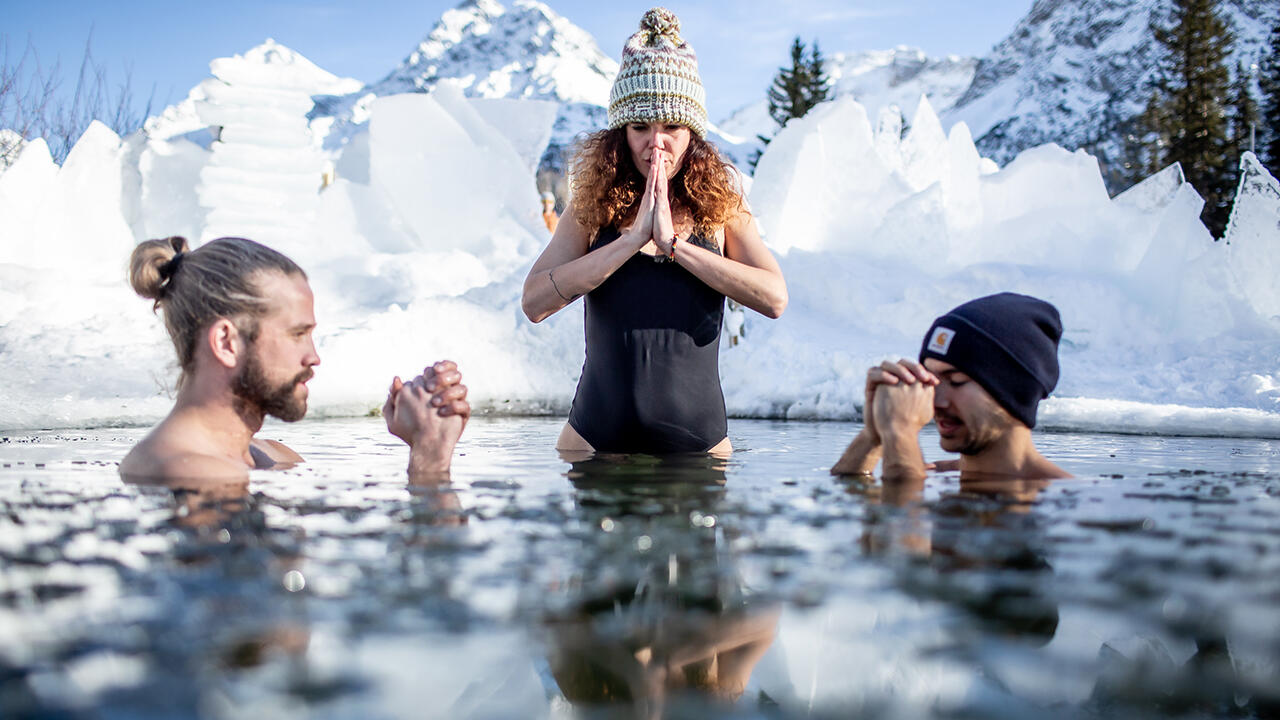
(1192, 92)
(1244, 114)
(797, 89)
(1269, 83)
(819, 87)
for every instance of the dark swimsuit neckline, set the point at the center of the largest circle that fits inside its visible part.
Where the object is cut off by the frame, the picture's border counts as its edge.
(694, 239)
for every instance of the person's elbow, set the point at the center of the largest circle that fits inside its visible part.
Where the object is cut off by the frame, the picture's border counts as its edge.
(534, 306)
(532, 310)
(775, 304)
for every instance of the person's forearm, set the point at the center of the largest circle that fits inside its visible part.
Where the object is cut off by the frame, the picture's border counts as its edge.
(859, 458)
(903, 460)
(761, 290)
(548, 290)
(427, 458)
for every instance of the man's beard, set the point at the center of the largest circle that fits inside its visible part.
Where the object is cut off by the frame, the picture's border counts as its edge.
(980, 435)
(253, 388)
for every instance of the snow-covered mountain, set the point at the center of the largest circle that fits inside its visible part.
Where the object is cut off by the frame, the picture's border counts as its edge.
(1072, 70)
(525, 51)
(877, 79)
(489, 50)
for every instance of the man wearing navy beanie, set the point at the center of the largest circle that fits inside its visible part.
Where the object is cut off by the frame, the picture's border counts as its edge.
(983, 369)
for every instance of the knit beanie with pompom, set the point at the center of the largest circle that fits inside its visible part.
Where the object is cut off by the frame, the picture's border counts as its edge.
(658, 80)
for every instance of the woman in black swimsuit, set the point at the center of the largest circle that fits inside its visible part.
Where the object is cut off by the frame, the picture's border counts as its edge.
(656, 235)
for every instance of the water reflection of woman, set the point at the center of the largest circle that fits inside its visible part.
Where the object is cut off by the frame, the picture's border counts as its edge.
(654, 614)
(656, 235)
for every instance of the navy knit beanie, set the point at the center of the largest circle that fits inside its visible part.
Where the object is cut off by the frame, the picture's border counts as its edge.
(1008, 343)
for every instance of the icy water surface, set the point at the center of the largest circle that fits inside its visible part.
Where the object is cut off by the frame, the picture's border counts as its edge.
(532, 587)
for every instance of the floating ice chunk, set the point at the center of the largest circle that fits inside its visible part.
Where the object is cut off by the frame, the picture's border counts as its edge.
(1253, 237)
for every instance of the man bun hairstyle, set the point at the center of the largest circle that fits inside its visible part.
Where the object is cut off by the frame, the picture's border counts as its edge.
(196, 287)
(152, 266)
(1008, 343)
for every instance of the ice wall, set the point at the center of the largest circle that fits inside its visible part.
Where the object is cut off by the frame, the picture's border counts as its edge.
(66, 219)
(878, 236)
(419, 248)
(1253, 238)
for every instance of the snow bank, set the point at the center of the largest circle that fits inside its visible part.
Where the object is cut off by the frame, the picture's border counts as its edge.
(418, 250)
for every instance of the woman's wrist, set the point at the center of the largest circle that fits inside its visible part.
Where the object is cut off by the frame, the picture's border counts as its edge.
(636, 237)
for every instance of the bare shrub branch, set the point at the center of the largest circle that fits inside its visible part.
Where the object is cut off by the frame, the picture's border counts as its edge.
(32, 104)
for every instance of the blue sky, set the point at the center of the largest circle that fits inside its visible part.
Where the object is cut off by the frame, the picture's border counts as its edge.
(740, 44)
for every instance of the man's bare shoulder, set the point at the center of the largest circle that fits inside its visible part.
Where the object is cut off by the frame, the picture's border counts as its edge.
(143, 463)
(277, 455)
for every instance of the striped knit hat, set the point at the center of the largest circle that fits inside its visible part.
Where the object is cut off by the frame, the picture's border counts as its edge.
(658, 80)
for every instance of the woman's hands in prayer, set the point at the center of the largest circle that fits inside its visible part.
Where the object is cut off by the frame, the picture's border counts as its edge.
(663, 230)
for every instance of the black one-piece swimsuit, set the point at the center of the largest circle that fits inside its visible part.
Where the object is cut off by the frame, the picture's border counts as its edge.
(651, 379)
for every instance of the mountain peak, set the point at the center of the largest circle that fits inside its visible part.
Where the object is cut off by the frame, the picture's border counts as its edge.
(1073, 71)
(524, 51)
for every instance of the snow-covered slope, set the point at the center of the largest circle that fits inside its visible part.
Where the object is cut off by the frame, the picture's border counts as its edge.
(877, 79)
(1071, 70)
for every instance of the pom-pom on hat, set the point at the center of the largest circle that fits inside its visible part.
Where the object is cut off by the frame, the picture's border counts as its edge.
(1008, 343)
(658, 80)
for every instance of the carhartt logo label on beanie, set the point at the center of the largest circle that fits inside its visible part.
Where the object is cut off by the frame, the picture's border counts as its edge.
(1008, 343)
(941, 340)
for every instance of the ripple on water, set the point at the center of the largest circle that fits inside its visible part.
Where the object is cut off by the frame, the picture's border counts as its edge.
(1148, 585)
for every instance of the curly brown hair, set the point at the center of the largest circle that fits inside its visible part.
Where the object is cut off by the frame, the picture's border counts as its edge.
(607, 186)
